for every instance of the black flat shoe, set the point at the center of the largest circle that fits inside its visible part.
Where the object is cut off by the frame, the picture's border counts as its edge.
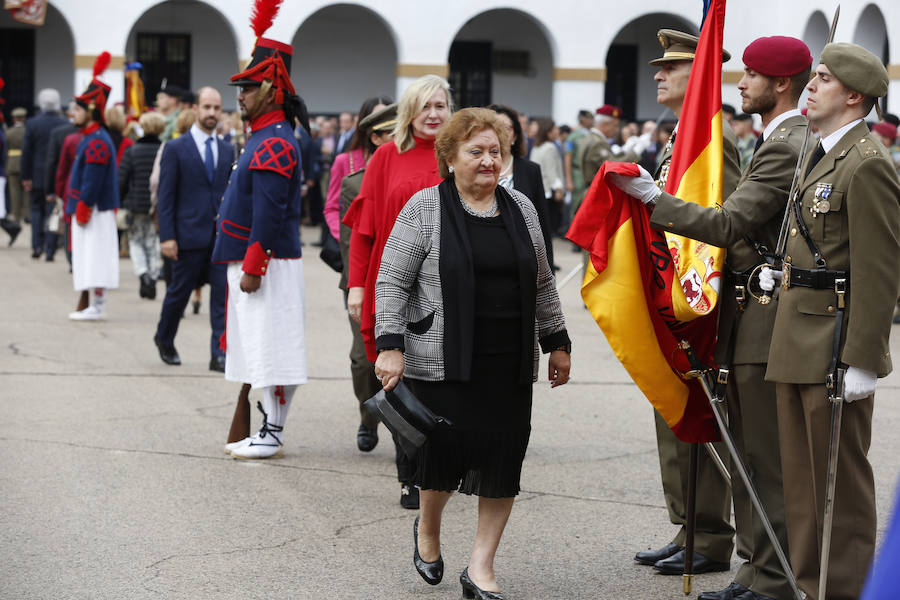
(366, 438)
(674, 565)
(470, 590)
(733, 590)
(431, 572)
(168, 355)
(651, 557)
(217, 363)
(195, 306)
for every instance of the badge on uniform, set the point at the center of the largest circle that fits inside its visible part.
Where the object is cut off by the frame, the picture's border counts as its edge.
(821, 203)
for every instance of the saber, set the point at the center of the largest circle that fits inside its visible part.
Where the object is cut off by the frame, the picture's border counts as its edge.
(834, 445)
(795, 181)
(569, 277)
(716, 405)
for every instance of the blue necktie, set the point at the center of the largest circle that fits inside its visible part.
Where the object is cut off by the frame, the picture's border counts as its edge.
(210, 162)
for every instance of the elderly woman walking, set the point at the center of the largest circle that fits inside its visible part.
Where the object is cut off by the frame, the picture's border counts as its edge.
(464, 296)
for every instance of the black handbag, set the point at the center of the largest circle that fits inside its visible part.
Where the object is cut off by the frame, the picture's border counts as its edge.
(331, 253)
(405, 416)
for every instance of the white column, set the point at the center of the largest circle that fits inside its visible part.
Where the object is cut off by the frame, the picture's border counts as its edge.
(571, 96)
(893, 104)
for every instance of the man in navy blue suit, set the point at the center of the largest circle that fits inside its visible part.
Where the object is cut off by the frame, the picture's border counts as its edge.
(194, 173)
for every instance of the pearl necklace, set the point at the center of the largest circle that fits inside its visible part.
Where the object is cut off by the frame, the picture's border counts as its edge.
(482, 214)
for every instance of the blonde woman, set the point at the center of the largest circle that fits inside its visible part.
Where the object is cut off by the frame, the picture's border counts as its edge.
(398, 170)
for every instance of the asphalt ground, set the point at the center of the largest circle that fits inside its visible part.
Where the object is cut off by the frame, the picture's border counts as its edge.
(114, 484)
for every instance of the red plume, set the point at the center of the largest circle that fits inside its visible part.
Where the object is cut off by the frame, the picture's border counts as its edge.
(2, 83)
(262, 14)
(101, 63)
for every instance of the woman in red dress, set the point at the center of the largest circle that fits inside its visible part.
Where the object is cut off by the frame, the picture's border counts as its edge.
(397, 170)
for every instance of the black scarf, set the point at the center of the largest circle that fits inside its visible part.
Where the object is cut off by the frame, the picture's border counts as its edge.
(458, 282)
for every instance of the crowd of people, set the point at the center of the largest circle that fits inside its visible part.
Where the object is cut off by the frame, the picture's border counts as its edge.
(444, 222)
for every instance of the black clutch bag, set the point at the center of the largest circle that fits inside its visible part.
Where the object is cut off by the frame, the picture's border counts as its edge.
(407, 418)
(331, 253)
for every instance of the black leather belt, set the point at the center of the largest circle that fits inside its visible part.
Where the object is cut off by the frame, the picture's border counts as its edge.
(817, 279)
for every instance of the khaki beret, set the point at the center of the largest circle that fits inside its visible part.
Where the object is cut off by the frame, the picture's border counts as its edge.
(380, 120)
(857, 68)
(678, 45)
(19, 112)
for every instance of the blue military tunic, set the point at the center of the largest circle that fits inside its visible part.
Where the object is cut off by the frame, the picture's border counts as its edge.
(260, 214)
(258, 233)
(92, 199)
(93, 181)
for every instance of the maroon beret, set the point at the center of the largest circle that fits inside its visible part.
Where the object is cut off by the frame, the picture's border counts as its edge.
(610, 111)
(886, 130)
(777, 56)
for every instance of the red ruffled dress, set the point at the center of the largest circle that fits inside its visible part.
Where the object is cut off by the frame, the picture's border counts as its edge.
(390, 181)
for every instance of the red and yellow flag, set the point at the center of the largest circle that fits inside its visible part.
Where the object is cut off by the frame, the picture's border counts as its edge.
(648, 290)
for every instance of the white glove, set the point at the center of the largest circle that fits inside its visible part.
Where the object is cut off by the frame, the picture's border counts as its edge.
(641, 187)
(858, 384)
(767, 277)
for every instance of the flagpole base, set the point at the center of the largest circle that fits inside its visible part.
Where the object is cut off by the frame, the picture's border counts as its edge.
(687, 584)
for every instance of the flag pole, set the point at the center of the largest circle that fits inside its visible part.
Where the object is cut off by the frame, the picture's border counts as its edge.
(690, 519)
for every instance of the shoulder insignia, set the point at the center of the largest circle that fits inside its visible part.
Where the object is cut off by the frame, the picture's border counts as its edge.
(97, 153)
(274, 154)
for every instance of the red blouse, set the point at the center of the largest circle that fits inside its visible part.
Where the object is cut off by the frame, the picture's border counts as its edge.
(390, 181)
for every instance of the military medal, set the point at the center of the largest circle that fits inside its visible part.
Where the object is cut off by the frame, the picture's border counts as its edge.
(821, 204)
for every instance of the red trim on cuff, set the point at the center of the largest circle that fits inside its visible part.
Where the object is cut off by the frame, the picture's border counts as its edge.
(82, 213)
(256, 260)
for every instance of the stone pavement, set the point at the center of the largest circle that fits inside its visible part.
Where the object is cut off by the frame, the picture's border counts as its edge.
(114, 483)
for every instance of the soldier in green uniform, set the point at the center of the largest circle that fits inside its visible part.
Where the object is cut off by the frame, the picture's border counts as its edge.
(599, 148)
(713, 542)
(15, 135)
(841, 274)
(775, 74)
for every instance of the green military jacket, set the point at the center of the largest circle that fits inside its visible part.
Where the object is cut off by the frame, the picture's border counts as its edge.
(597, 151)
(859, 233)
(15, 135)
(754, 210)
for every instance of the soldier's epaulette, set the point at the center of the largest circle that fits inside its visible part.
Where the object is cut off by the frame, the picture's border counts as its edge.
(866, 148)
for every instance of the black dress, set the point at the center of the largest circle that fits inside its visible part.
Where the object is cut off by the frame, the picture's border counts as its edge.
(482, 452)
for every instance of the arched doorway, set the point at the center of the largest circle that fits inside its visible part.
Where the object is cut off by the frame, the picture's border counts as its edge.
(187, 43)
(503, 56)
(816, 34)
(34, 58)
(629, 79)
(343, 54)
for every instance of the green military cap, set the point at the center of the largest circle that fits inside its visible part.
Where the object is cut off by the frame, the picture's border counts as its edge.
(19, 112)
(857, 68)
(380, 120)
(678, 45)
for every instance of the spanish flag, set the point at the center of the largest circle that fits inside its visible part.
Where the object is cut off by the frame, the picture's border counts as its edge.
(650, 291)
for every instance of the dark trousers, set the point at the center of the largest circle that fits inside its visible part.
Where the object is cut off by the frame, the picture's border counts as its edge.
(188, 272)
(41, 239)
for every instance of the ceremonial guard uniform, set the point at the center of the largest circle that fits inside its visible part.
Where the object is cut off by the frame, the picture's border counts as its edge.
(15, 135)
(839, 289)
(748, 225)
(714, 533)
(92, 198)
(258, 236)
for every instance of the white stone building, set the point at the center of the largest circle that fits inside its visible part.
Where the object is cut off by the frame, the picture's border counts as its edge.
(543, 58)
